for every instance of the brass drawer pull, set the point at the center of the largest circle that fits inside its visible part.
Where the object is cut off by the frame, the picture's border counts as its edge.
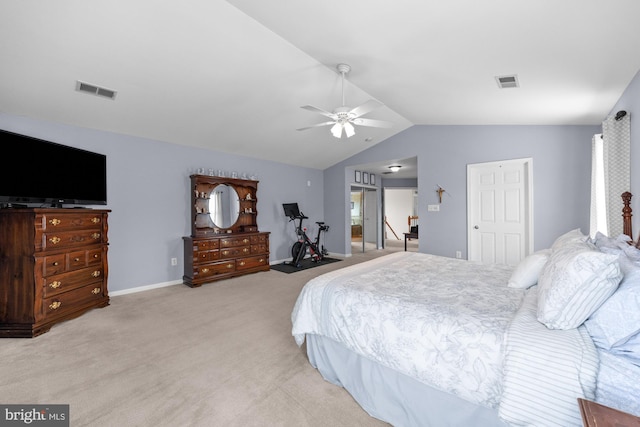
(241, 263)
(205, 270)
(96, 273)
(229, 265)
(261, 260)
(95, 236)
(55, 240)
(245, 250)
(95, 220)
(55, 264)
(55, 284)
(96, 255)
(245, 240)
(55, 305)
(96, 291)
(76, 259)
(54, 221)
(225, 252)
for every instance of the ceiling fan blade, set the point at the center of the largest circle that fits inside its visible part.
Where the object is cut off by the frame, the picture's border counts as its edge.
(317, 125)
(365, 108)
(372, 123)
(318, 110)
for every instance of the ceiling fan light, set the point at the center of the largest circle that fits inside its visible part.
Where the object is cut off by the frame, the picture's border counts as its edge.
(395, 168)
(350, 131)
(336, 130)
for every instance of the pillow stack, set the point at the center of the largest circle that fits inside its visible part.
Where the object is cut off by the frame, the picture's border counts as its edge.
(575, 281)
(615, 326)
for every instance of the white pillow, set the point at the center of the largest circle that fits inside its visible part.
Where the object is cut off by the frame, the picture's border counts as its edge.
(528, 270)
(618, 318)
(569, 238)
(574, 283)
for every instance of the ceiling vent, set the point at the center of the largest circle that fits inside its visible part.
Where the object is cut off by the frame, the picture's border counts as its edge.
(505, 82)
(95, 90)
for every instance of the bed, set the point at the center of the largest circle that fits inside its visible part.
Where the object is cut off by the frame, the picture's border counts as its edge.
(423, 340)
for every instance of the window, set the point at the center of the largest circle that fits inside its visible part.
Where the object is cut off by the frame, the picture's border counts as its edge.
(598, 221)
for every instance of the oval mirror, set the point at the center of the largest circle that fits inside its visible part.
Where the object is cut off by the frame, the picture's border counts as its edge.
(224, 206)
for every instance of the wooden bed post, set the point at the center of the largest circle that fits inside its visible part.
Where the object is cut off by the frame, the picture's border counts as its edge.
(626, 214)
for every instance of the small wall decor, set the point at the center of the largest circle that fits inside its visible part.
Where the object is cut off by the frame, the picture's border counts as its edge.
(357, 177)
(440, 191)
(365, 178)
(372, 179)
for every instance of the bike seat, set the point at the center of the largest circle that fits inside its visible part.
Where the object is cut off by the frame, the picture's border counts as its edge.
(319, 222)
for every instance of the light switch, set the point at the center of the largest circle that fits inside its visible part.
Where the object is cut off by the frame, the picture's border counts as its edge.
(433, 208)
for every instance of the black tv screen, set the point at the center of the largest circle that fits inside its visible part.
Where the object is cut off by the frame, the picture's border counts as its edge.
(34, 171)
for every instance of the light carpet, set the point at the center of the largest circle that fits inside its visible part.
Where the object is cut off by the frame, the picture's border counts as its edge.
(218, 355)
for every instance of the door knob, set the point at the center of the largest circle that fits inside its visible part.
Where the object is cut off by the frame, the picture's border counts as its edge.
(476, 227)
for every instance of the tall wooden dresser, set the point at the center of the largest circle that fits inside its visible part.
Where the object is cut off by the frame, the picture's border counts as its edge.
(53, 267)
(225, 241)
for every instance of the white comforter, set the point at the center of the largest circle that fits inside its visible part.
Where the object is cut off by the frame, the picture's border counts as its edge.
(439, 320)
(456, 326)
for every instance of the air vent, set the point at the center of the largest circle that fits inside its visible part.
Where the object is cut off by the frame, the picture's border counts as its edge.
(505, 82)
(95, 90)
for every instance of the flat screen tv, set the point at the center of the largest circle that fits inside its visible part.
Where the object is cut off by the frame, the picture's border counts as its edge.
(40, 173)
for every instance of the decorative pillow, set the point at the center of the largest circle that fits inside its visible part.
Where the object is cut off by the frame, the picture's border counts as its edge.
(528, 270)
(569, 238)
(574, 283)
(618, 318)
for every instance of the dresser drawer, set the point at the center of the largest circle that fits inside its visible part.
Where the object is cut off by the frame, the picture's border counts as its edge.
(54, 264)
(229, 242)
(68, 239)
(234, 252)
(259, 249)
(69, 301)
(68, 221)
(251, 262)
(215, 269)
(59, 283)
(94, 256)
(259, 238)
(206, 256)
(203, 245)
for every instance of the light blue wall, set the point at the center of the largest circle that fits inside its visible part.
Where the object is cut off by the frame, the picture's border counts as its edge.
(148, 193)
(561, 177)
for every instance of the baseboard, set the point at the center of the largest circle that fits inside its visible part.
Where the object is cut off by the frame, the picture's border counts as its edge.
(144, 288)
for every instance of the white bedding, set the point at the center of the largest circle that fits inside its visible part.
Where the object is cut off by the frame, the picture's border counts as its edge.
(449, 323)
(439, 320)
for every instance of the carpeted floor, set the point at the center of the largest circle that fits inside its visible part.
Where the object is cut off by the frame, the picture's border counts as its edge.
(218, 355)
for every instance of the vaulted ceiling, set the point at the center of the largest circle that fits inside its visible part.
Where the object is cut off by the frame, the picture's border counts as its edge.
(232, 75)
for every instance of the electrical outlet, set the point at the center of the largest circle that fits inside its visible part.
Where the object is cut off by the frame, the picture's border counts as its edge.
(174, 261)
(458, 254)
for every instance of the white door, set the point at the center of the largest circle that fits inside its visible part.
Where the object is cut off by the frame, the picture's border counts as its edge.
(369, 226)
(500, 211)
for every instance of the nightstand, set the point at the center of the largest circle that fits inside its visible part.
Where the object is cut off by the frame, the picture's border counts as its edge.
(597, 415)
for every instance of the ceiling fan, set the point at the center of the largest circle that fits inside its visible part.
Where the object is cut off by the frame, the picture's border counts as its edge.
(343, 118)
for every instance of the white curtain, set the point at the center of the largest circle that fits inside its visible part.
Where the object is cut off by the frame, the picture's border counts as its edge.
(598, 216)
(616, 137)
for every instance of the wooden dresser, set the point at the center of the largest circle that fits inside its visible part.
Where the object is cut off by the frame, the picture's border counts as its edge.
(53, 267)
(225, 241)
(208, 259)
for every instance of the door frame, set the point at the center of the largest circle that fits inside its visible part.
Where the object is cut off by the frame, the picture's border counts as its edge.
(527, 162)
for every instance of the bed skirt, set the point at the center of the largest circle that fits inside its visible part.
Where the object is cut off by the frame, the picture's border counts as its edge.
(391, 396)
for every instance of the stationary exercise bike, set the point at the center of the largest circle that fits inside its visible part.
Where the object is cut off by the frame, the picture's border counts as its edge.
(299, 249)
